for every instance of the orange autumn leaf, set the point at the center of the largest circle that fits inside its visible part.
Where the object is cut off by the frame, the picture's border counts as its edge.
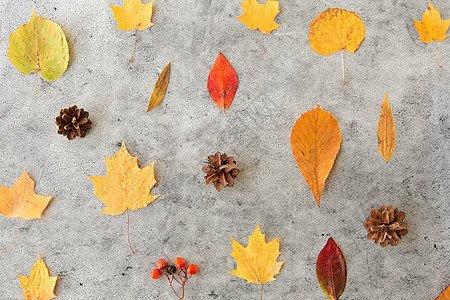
(260, 16)
(39, 285)
(160, 89)
(21, 201)
(432, 27)
(445, 295)
(125, 186)
(386, 130)
(315, 141)
(336, 29)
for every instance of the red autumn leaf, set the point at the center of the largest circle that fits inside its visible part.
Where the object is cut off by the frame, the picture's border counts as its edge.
(331, 270)
(222, 82)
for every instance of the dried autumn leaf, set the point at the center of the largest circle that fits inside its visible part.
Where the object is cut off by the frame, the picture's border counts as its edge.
(39, 285)
(386, 130)
(260, 16)
(336, 29)
(432, 27)
(257, 263)
(159, 91)
(133, 15)
(125, 186)
(315, 141)
(40, 45)
(21, 201)
(331, 270)
(445, 295)
(222, 82)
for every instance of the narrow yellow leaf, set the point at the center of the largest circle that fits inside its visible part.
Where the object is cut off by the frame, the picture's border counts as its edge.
(159, 91)
(386, 131)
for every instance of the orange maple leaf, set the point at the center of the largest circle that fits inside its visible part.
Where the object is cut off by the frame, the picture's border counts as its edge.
(260, 16)
(336, 29)
(445, 295)
(432, 27)
(315, 140)
(39, 285)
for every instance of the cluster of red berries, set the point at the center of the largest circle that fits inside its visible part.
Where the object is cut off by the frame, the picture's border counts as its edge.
(179, 273)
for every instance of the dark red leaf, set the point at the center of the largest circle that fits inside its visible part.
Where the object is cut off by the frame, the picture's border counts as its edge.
(222, 82)
(331, 270)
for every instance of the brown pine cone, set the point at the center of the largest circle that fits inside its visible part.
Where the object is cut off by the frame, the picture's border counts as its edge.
(221, 170)
(385, 227)
(73, 122)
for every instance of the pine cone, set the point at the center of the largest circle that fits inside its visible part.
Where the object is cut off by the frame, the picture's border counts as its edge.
(221, 170)
(73, 122)
(385, 227)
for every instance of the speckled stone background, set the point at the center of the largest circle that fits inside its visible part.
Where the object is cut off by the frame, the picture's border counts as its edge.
(89, 251)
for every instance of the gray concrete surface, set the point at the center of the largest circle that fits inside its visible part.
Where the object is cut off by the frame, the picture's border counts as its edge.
(89, 251)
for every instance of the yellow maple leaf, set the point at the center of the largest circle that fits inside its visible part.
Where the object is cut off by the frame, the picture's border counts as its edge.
(257, 263)
(21, 201)
(133, 14)
(432, 27)
(39, 285)
(260, 16)
(336, 29)
(125, 186)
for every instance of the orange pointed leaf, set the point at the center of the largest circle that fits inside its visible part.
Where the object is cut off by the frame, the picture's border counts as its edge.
(445, 295)
(21, 201)
(386, 131)
(260, 16)
(125, 186)
(160, 89)
(257, 263)
(315, 141)
(331, 270)
(222, 82)
(39, 285)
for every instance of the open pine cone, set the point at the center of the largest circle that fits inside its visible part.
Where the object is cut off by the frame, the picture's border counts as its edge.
(221, 170)
(73, 122)
(385, 227)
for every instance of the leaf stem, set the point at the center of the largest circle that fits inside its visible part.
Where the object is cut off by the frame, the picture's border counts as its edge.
(134, 46)
(260, 295)
(257, 42)
(437, 55)
(343, 69)
(128, 232)
(17, 238)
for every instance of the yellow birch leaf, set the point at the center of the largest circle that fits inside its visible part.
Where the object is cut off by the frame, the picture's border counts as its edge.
(260, 16)
(125, 186)
(445, 295)
(386, 130)
(40, 45)
(257, 263)
(133, 14)
(39, 285)
(315, 140)
(159, 91)
(432, 27)
(21, 201)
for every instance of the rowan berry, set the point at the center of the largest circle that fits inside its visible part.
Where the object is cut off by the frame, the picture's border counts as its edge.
(155, 274)
(180, 263)
(192, 269)
(161, 264)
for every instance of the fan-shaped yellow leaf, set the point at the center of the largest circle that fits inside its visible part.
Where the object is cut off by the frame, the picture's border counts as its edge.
(260, 16)
(39, 285)
(257, 263)
(386, 130)
(125, 186)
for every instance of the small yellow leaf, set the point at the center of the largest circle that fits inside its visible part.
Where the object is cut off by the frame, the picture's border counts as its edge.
(159, 91)
(125, 186)
(260, 16)
(257, 263)
(133, 14)
(386, 131)
(39, 285)
(21, 201)
(432, 27)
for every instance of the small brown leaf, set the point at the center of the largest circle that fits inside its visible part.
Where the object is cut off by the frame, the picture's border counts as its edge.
(386, 131)
(159, 91)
